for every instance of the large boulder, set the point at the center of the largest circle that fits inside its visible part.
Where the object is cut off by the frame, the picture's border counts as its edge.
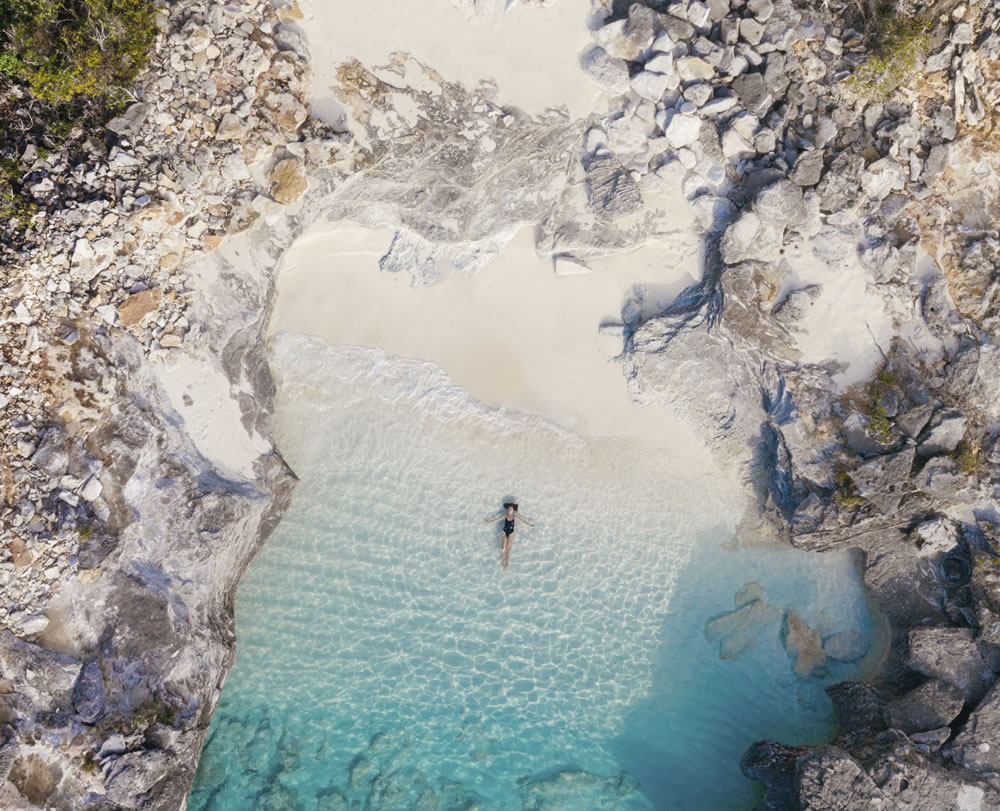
(882, 481)
(609, 73)
(945, 431)
(977, 746)
(932, 705)
(88, 692)
(829, 778)
(781, 203)
(949, 654)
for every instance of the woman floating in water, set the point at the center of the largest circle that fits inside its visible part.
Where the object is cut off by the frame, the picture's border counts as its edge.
(509, 516)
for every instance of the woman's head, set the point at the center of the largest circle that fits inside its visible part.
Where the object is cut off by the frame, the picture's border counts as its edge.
(510, 506)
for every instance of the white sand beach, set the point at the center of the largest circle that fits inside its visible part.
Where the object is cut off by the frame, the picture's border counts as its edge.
(514, 335)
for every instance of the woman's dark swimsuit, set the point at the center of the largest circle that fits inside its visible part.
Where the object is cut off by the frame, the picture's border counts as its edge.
(508, 526)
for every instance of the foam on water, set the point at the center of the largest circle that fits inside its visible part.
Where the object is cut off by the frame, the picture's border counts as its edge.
(385, 660)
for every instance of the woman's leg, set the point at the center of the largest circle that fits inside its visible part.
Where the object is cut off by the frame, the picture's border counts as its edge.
(506, 552)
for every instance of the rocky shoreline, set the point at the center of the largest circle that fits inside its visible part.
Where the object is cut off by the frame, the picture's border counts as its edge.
(138, 313)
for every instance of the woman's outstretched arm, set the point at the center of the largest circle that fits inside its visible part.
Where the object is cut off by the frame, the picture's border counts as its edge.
(525, 520)
(491, 520)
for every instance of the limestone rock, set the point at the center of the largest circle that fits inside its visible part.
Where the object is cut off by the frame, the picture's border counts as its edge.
(138, 306)
(753, 93)
(629, 38)
(608, 72)
(683, 130)
(933, 705)
(650, 84)
(828, 778)
(882, 481)
(847, 646)
(797, 304)
(856, 432)
(977, 746)
(943, 434)
(90, 258)
(52, 455)
(912, 422)
(694, 68)
(287, 181)
(781, 203)
(804, 646)
(613, 192)
(738, 241)
(949, 654)
(736, 632)
(231, 128)
(808, 168)
(88, 692)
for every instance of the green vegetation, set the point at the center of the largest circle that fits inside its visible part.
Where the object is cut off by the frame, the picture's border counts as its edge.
(90, 763)
(880, 429)
(846, 494)
(70, 52)
(901, 43)
(76, 59)
(13, 207)
(968, 455)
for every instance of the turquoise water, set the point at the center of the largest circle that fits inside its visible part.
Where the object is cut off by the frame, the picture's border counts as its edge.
(385, 661)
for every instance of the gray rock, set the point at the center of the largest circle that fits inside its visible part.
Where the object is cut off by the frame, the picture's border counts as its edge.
(781, 203)
(127, 125)
(613, 192)
(698, 14)
(751, 30)
(649, 84)
(977, 746)
(949, 654)
(943, 434)
(962, 34)
(808, 168)
(912, 422)
(930, 741)
(682, 130)
(937, 536)
(883, 480)
(738, 241)
(774, 73)
(941, 478)
(933, 705)
(88, 692)
(133, 779)
(609, 73)
(940, 60)
(679, 30)
(736, 632)
(937, 160)
(761, 9)
(847, 646)
(797, 304)
(718, 10)
(829, 778)
(753, 93)
(855, 429)
(52, 455)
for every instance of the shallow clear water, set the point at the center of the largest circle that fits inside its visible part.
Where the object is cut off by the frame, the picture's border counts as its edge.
(385, 660)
